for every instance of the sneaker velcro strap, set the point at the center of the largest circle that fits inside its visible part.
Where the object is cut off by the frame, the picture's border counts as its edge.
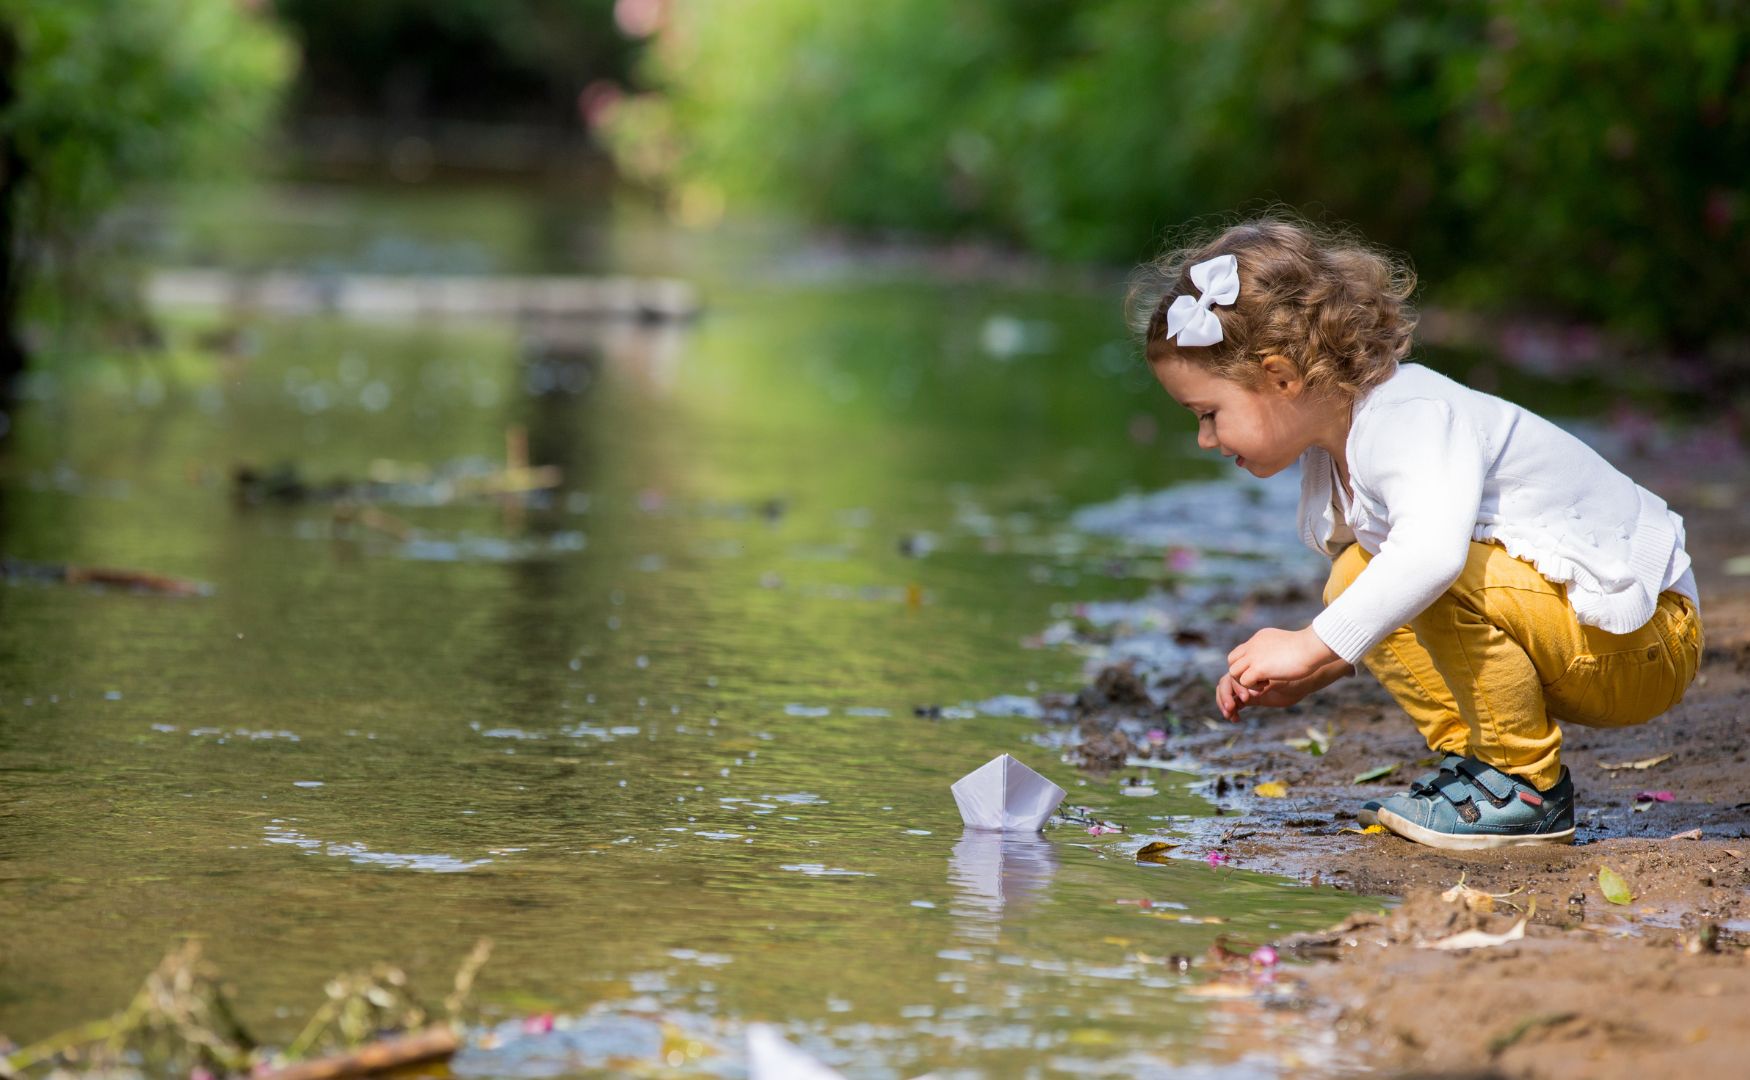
(1498, 784)
(1456, 788)
(1426, 781)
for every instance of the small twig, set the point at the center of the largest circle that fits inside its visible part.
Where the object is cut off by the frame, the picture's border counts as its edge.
(41, 1051)
(438, 1041)
(1525, 1027)
(465, 978)
(313, 1029)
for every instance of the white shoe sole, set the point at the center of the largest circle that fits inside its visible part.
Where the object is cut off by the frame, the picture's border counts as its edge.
(1409, 830)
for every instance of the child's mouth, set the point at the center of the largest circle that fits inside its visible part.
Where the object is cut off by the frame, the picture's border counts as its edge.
(1240, 461)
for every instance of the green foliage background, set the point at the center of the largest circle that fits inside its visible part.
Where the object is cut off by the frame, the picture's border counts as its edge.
(1565, 156)
(109, 94)
(482, 60)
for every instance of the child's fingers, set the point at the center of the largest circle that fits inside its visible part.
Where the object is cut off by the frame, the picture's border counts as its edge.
(1239, 672)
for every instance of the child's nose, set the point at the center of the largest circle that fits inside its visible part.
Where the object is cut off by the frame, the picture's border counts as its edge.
(1205, 438)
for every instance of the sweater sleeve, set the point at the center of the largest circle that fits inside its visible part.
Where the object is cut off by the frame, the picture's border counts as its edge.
(1425, 466)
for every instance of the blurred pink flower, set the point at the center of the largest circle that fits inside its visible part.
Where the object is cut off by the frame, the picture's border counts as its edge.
(1216, 858)
(640, 18)
(597, 101)
(1720, 211)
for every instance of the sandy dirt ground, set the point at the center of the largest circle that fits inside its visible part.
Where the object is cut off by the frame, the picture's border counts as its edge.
(1659, 986)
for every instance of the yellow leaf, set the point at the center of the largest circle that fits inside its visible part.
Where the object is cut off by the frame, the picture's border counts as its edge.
(1614, 888)
(1272, 789)
(1643, 763)
(1219, 990)
(1154, 851)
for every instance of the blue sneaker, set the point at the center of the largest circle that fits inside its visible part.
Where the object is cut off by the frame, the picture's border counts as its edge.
(1369, 814)
(1468, 805)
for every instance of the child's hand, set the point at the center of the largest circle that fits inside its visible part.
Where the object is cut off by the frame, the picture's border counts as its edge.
(1278, 656)
(1231, 697)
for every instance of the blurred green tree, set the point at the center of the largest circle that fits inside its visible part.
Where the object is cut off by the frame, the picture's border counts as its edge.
(99, 97)
(1556, 155)
(491, 60)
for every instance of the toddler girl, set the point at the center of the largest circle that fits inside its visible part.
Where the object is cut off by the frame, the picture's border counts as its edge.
(1492, 571)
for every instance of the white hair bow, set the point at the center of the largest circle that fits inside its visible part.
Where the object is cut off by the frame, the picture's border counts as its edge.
(1190, 317)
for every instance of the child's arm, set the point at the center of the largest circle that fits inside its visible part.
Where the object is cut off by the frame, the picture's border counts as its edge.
(1425, 465)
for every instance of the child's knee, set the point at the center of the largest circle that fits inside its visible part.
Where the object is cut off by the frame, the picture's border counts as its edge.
(1345, 568)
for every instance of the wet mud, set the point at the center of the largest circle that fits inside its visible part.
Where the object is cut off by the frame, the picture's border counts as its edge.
(1571, 981)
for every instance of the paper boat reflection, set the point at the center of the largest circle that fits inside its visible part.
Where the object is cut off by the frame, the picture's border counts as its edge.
(1005, 794)
(771, 1057)
(992, 870)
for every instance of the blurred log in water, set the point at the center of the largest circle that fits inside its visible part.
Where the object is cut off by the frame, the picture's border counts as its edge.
(377, 296)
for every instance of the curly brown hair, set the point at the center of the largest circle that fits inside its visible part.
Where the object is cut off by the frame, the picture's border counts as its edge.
(1334, 307)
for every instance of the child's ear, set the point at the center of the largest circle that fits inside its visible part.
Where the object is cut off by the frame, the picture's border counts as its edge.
(1281, 377)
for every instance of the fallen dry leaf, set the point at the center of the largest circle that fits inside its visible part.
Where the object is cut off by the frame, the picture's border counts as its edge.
(1154, 851)
(1644, 763)
(1272, 789)
(1220, 990)
(1477, 939)
(1475, 899)
(1315, 743)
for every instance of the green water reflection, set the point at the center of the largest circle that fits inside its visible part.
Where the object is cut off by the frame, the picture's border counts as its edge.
(654, 736)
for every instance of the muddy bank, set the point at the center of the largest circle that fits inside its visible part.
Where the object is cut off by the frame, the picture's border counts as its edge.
(1592, 987)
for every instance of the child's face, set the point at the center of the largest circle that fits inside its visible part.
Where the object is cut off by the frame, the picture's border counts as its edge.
(1264, 430)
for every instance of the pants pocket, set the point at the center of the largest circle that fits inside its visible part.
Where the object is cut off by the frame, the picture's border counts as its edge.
(1616, 689)
(1683, 643)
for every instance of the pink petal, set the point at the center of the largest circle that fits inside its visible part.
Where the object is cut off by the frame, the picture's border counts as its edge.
(1215, 858)
(1654, 796)
(1264, 956)
(538, 1025)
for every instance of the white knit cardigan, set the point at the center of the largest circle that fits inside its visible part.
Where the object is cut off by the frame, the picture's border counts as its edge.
(1434, 465)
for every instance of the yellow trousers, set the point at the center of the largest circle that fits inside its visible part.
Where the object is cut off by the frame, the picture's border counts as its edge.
(1492, 663)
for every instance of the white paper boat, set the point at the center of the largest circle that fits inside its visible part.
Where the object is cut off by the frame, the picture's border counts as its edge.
(771, 1057)
(1005, 794)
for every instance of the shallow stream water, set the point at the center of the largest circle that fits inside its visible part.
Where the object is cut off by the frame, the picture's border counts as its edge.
(653, 734)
